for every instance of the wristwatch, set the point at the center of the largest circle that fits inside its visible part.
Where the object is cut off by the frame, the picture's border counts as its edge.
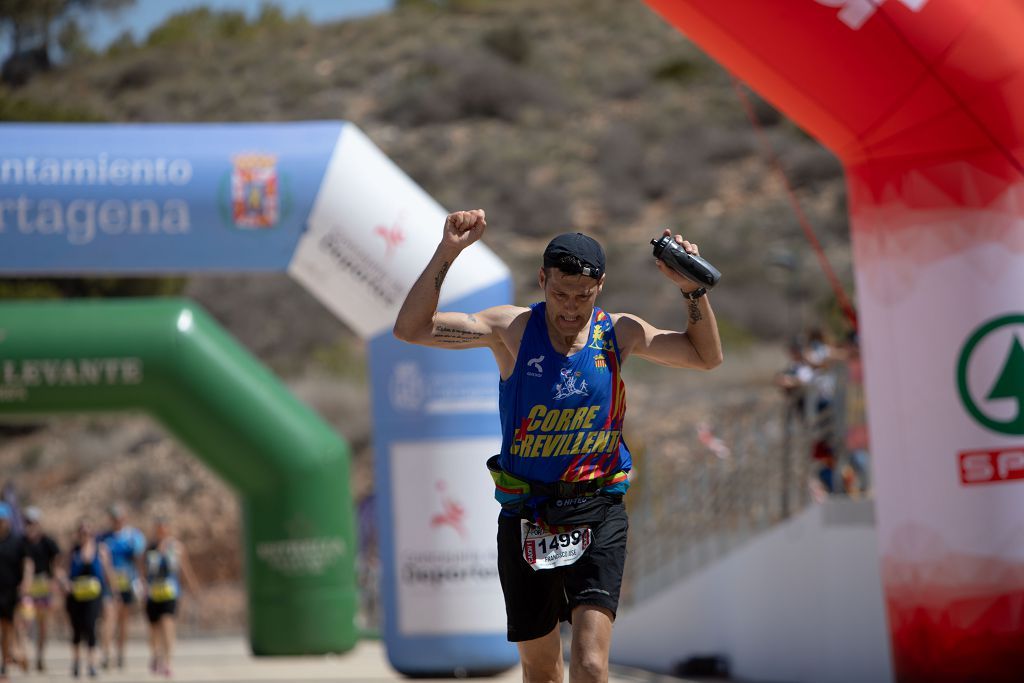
(695, 294)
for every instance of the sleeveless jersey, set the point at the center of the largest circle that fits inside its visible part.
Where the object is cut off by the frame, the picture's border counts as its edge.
(79, 567)
(162, 572)
(561, 416)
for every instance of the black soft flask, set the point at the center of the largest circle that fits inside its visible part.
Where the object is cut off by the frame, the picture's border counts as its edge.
(688, 265)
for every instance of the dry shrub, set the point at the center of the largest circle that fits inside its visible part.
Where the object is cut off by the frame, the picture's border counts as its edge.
(141, 72)
(809, 165)
(510, 42)
(621, 162)
(450, 85)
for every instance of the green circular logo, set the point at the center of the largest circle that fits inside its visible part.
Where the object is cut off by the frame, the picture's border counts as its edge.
(1008, 385)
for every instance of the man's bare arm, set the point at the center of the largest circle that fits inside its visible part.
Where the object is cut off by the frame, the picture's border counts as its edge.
(698, 347)
(450, 330)
(415, 322)
(419, 321)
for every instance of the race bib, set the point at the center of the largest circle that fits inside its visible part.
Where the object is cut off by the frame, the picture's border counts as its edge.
(123, 581)
(543, 550)
(85, 588)
(162, 591)
(40, 586)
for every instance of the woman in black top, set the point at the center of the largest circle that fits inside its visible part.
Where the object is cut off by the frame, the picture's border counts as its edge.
(44, 553)
(88, 567)
(15, 568)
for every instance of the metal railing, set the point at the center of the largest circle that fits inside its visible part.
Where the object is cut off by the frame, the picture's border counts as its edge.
(702, 490)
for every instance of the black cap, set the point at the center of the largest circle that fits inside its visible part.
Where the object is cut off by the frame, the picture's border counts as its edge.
(574, 253)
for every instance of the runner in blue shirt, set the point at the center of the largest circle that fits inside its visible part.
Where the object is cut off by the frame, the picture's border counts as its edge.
(126, 545)
(563, 466)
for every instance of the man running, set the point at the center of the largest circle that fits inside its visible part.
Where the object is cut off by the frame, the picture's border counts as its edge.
(563, 466)
(126, 544)
(15, 572)
(44, 553)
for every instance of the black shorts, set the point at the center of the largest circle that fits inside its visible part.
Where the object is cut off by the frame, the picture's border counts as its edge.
(127, 597)
(155, 610)
(536, 600)
(8, 604)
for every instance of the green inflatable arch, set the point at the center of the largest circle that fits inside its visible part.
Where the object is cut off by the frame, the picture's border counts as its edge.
(171, 360)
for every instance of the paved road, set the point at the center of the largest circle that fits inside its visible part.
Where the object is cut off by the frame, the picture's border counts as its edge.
(227, 660)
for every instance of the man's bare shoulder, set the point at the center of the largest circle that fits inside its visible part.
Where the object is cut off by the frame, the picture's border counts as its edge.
(507, 323)
(505, 316)
(628, 328)
(626, 321)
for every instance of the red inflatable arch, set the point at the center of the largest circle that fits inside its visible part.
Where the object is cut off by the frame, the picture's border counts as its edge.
(923, 101)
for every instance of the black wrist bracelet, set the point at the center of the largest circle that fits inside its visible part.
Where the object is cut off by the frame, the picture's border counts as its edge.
(695, 294)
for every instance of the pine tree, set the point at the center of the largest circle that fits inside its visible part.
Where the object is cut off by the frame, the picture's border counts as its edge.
(34, 26)
(1011, 383)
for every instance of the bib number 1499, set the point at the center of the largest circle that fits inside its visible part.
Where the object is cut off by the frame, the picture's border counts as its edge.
(542, 550)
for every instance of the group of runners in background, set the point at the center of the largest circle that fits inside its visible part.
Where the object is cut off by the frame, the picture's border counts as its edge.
(99, 580)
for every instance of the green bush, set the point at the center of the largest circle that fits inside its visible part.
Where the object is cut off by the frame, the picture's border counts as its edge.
(204, 25)
(89, 288)
(677, 69)
(122, 45)
(450, 85)
(508, 42)
(23, 109)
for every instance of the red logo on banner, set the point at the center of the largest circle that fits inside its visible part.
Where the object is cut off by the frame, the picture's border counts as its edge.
(993, 465)
(452, 515)
(530, 552)
(393, 236)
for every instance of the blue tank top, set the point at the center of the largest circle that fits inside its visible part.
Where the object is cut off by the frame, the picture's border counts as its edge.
(561, 416)
(81, 568)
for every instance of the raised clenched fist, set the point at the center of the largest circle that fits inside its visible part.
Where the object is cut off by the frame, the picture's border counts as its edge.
(462, 228)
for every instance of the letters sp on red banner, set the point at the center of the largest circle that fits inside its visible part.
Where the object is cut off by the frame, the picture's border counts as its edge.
(991, 465)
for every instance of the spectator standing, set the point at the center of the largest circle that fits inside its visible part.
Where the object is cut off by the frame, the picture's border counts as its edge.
(795, 377)
(821, 356)
(802, 386)
(859, 477)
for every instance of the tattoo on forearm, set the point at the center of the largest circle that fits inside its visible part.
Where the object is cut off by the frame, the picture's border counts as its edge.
(450, 335)
(695, 314)
(439, 278)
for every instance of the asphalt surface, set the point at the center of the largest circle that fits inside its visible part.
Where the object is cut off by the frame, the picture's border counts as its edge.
(227, 660)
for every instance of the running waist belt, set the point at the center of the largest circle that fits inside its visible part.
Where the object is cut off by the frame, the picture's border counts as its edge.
(514, 487)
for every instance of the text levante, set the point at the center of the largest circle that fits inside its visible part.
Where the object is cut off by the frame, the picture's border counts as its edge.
(55, 372)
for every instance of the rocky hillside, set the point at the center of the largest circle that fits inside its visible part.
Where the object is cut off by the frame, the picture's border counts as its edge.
(580, 114)
(586, 114)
